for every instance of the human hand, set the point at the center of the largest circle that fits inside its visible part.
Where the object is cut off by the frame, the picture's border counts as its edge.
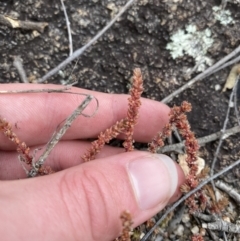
(80, 202)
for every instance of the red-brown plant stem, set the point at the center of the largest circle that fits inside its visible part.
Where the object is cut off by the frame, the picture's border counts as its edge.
(103, 138)
(45, 170)
(125, 125)
(133, 108)
(197, 237)
(178, 119)
(158, 140)
(191, 144)
(22, 148)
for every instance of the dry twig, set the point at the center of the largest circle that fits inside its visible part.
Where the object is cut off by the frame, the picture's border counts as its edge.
(236, 89)
(57, 136)
(29, 25)
(32, 91)
(221, 225)
(80, 51)
(229, 190)
(222, 136)
(68, 29)
(214, 68)
(201, 141)
(18, 65)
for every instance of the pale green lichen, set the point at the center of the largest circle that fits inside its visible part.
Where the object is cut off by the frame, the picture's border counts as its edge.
(193, 43)
(223, 16)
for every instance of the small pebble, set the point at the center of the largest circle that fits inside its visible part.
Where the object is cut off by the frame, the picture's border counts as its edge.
(179, 231)
(217, 87)
(186, 218)
(195, 230)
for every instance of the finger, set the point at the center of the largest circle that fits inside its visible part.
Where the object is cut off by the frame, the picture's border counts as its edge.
(66, 154)
(85, 202)
(35, 117)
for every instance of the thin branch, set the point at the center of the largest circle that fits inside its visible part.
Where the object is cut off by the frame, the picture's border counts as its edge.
(176, 204)
(236, 104)
(234, 61)
(58, 135)
(62, 90)
(214, 68)
(29, 25)
(201, 141)
(229, 190)
(221, 225)
(217, 223)
(224, 236)
(224, 4)
(80, 51)
(205, 217)
(223, 133)
(176, 219)
(19, 66)
(68, 29)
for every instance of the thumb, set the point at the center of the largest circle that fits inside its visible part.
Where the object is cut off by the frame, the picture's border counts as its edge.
(85, 202)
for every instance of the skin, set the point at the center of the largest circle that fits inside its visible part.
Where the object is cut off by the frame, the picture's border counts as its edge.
(79, 202)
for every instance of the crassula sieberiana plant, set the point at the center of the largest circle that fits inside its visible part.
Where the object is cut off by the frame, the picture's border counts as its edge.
(177, 119)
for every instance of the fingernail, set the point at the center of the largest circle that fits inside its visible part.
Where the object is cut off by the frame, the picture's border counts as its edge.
(154, 179)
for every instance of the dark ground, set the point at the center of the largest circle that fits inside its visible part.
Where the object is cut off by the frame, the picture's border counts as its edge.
(138, 39)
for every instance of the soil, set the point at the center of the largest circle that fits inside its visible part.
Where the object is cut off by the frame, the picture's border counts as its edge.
(138, 39)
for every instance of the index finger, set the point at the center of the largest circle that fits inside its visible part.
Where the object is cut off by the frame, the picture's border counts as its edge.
(35, 117)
